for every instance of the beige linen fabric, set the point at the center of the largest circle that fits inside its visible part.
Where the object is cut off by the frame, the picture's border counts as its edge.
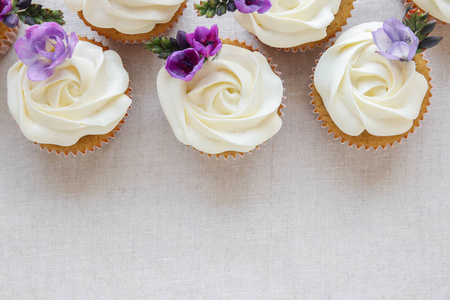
(303, 218)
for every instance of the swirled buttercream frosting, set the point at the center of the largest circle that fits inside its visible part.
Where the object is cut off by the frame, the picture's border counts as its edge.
(231, 104)
(362, 90)
(291, 23)
(129, 17)
(85, 96)
(437, 8)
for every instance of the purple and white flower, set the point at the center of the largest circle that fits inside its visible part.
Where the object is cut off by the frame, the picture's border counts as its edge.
(250, 6)
(5, 8)
(184, 64)
(43, 48)
(396, 41)
(205, 41)
(188, 52)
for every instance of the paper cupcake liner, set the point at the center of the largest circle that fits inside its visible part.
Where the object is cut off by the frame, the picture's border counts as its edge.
(366, 140)
(87, 143)
(116, 36)
(407, 3)
(236, 154)
(340, 20)
(7, 37)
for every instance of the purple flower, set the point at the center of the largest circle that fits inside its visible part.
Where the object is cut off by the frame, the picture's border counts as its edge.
(250, 6)
(396, 41)
(43, 48)
(205, 41)
(5, 8)
(184, 64)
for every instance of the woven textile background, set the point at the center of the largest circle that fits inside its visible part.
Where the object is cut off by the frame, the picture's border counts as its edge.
(304, 218)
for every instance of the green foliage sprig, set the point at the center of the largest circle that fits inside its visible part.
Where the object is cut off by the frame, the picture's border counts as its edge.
(32, 14)
(418, 21)
(163, 46)
(211, 8)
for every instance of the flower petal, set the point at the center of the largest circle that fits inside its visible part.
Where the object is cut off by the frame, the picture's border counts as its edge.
(38, 72)
(392, 28)
(381, 39)
(266, 5)
(43, 48)
(400, 50)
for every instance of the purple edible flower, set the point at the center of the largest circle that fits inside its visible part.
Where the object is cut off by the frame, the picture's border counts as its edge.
(250, 6)
(43, 48)
(205, 41)
(396, 41)
(184, 64)
(5, 8)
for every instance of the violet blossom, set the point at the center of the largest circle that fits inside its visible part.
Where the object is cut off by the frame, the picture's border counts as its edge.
(5, 8)
(184, 64)
(250, 6)
(396, 41)
(43, 48)
(205, 41)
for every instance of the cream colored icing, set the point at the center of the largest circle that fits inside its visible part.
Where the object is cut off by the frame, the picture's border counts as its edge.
(85, 96)
(231, 104)
(291, 23)
(129, 17)
(362, 90)
(437, 8)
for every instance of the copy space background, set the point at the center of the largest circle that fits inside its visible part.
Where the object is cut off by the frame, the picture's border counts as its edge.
(305, 217)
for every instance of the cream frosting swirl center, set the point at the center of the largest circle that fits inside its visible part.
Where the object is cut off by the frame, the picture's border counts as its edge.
(362, 90)
(231, 104)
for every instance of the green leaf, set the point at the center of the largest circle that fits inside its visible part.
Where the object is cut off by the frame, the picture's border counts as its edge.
(221, 9)
(165, 42)
(430, 42)
(162, 46)
(201, 12)
(211, 8)
(428, 28)
(211, 12)
(35, 14)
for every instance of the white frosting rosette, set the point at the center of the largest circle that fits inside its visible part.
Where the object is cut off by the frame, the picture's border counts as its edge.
(125, 16)
(291, 23)
(231, 104)
(85, 96)
(437, 8)
(362, 90)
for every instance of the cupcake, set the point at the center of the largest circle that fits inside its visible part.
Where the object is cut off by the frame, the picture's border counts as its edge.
(440, 9)
(67, 94)
(371, 88)
(132, 21)
(222, 103)
(7, 37)
(291, 25)
(31, 14)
